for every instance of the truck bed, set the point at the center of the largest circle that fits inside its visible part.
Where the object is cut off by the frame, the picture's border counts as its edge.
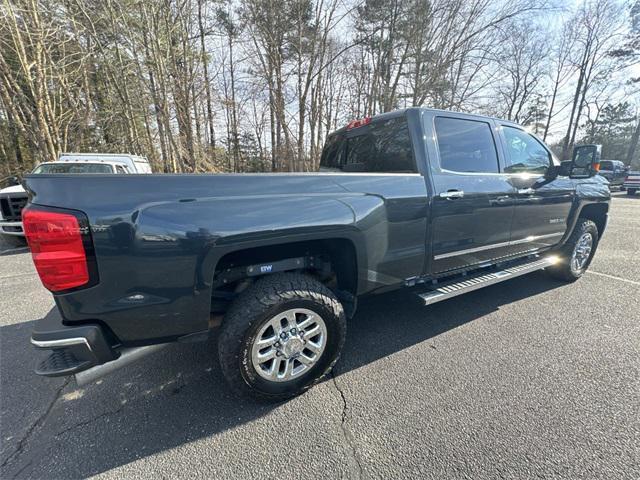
(159, 238)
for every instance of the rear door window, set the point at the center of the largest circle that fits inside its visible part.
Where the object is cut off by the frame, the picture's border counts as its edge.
(380, 147)
(466, 146)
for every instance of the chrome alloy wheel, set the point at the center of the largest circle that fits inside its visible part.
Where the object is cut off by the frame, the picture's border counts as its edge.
(289, 344)
(581, 252)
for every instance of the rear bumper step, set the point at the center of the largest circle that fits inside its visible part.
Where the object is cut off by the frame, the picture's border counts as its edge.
(62, 361)
(74, 348)
(82, 350)
(483, 279)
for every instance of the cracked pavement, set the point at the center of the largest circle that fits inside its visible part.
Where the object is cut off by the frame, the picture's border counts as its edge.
(528, 378)
(355, 464)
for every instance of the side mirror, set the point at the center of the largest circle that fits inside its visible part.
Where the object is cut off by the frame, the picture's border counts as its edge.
(565, 168)
(555, 171)
(585, 161)
(552, 172)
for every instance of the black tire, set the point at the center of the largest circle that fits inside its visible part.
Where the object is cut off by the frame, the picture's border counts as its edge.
(631, 191)
(563, 270)
(254, 307)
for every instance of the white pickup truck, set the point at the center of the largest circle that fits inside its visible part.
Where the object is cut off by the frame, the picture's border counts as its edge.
(14, 198)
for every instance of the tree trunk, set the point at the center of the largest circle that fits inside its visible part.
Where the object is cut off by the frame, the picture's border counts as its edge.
(207, 81)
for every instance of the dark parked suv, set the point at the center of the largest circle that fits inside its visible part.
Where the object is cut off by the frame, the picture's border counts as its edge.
(441, 201)
(614, 171)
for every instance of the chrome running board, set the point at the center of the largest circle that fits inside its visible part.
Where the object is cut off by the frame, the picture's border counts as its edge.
(480, 280)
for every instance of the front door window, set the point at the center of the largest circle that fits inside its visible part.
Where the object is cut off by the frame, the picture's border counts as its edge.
(525, 153)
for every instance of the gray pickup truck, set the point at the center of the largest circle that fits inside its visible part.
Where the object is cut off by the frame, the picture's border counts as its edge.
(441, 202)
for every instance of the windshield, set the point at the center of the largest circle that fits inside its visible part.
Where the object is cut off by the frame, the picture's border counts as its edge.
(73, 168)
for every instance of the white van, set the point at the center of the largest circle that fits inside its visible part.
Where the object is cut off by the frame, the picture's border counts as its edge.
(130, 163)
(14, 198)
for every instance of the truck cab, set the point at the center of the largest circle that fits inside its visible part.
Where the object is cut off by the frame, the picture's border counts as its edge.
(494, 190)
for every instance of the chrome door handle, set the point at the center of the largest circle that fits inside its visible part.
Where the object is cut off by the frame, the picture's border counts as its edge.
(451, 194)
(526, 191)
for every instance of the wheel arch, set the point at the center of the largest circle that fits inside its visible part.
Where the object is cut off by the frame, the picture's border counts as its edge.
(335, 262)
(597, 213)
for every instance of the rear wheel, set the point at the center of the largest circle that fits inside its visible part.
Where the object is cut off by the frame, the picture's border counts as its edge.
(281, 336)
(576, 254)
(631, 191)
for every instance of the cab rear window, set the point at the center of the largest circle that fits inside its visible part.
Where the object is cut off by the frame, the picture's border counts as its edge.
(379, 147)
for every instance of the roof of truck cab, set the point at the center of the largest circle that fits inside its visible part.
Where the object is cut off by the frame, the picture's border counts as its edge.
(401, 112)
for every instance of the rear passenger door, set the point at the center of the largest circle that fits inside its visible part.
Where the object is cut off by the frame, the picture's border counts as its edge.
(378, 158)
(472, 207)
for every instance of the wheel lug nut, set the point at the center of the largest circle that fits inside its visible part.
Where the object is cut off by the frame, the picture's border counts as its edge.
(293, 331)
(277, 344)
(283, 335)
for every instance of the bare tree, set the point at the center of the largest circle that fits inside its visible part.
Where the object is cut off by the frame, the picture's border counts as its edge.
(522, 63)
(561, 68)
(598, 29)
(163, 78)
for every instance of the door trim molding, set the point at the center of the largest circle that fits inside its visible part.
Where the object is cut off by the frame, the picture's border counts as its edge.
(529, 239)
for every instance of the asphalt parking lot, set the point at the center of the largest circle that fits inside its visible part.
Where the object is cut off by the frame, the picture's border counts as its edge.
(529, 378)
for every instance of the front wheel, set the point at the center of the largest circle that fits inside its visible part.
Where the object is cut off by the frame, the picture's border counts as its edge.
(631, 191)
(281, 336)
(576, 254)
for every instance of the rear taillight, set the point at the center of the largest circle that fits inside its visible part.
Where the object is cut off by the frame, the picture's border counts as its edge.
(59, 241)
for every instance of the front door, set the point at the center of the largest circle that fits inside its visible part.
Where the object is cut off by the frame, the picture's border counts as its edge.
(473, 205)
(542, 205)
